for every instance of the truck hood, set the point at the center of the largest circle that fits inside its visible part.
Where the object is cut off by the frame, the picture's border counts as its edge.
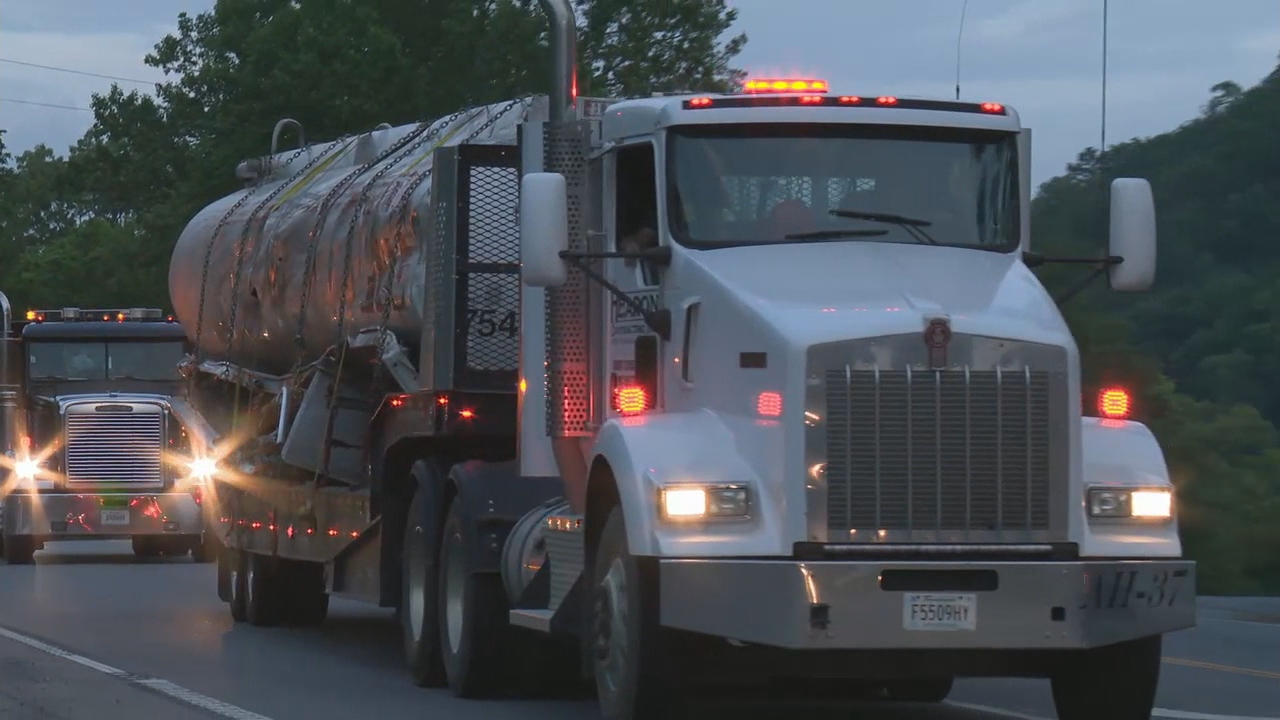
(821, 292)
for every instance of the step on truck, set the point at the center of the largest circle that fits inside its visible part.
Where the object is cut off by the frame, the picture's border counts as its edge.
(91, 448)
(680, 392)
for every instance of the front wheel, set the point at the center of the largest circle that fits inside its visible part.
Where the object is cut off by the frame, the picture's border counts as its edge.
(630, 682)
(205, 548)
(1117, 682)
(19, 549)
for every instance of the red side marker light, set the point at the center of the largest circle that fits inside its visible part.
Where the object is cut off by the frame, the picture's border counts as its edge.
(991, 107)
(886, 100)
(700, 102)
(630, 399)
(850, 99)
(769, 404)
(1114, 403)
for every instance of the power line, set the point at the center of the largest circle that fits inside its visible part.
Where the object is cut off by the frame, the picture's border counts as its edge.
(75, 72)
(43, 104)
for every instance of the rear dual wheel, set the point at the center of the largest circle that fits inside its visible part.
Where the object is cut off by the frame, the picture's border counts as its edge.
(476, 642)
(268, 591)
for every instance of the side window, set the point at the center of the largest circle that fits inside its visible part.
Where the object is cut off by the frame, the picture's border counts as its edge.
(637, 204)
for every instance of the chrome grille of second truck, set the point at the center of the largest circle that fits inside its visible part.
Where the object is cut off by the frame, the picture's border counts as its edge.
(948, 450)
(114, 447)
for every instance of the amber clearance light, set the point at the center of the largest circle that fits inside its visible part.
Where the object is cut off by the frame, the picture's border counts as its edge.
(1114, 403)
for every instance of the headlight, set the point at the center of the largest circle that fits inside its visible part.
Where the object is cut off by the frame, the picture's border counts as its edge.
(699, 502)
(26, 469)
(1145, 504)
(203, 468)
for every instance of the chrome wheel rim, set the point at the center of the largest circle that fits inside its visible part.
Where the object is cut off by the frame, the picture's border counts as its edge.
(612, 650)
(417, 589)
(455, 589)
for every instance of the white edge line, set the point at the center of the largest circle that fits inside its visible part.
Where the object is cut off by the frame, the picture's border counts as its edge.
(1155, 713)
(164, 687)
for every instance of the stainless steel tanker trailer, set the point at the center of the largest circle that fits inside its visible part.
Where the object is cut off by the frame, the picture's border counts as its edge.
(624, 389)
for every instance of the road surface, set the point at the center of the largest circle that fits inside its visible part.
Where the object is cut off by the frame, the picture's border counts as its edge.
(91, 632)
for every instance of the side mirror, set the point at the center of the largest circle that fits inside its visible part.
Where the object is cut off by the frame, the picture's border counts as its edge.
(544, 229)
(1133, 234)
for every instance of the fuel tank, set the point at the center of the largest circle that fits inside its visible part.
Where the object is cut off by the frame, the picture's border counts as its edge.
(274, 242)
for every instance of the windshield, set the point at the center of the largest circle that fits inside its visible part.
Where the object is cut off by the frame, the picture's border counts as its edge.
(751, 184)
(104, 361)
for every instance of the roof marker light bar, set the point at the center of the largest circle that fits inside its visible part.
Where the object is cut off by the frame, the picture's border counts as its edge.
(71, 314)
(785, 85)
(811, 100)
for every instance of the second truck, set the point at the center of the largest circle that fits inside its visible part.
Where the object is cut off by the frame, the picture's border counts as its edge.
(680, 391)
(90, 448)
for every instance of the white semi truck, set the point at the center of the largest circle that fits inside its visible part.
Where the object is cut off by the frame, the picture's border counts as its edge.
(708, 388)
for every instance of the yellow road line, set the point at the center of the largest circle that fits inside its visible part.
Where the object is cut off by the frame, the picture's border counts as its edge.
(1224, 668)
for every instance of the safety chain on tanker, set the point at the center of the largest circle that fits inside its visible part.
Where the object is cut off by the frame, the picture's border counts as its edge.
(425, 132)
(356, 214)
(322, 215)
(404, 213)
(240, 252)
(208, 255)
(349, 245)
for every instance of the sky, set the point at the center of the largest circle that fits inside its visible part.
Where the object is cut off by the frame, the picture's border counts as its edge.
(1041, 57)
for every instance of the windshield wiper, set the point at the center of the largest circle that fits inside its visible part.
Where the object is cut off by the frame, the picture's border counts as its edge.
(913, 226)
(835, 234)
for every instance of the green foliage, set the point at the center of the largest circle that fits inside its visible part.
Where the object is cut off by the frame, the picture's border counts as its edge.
(1210, 327)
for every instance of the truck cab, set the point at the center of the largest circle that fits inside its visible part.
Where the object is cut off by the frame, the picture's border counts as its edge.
(94, 450)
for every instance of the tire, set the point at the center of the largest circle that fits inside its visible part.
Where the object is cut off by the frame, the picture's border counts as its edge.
(1117, 682)
(305, 600)
(419, 592)
(19, 549)
(263, 598)
(475, 637)
(146, 546)
(205, 549)
(237, 564)
(930, 690)
(628, 661)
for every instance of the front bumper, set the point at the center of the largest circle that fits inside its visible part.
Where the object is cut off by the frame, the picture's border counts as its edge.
(869, 605)
(105, 515)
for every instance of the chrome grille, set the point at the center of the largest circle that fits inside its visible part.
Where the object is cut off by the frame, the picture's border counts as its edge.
(925, 455)
(114, 447)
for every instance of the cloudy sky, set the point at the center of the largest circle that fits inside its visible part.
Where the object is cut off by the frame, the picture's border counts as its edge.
(1043, 57)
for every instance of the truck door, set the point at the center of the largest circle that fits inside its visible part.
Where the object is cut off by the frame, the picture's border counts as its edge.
(631, 222)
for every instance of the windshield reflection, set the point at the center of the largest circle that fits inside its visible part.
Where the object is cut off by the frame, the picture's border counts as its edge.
(754, 184)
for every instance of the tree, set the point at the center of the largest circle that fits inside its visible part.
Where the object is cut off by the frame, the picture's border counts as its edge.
(344, 66)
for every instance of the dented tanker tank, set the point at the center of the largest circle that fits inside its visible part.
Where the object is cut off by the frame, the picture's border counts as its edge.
(291, 236)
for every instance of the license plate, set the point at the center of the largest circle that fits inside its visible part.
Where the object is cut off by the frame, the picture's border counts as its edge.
(115, 517)
(931, 611)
